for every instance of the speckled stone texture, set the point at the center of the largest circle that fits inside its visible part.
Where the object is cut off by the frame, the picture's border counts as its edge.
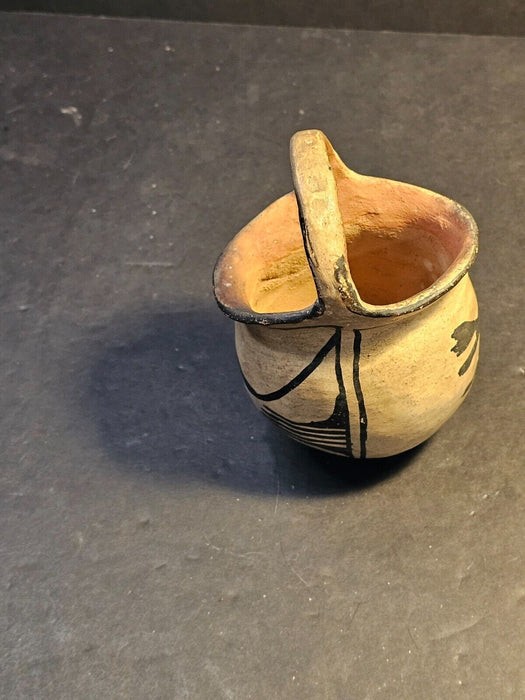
(159, 538)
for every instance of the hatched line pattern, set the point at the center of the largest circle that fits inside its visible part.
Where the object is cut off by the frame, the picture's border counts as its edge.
(324, 435)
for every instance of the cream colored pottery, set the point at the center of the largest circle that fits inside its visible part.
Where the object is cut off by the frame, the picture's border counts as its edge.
(356, 321)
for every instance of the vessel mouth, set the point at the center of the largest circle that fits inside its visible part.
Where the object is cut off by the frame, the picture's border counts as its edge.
(389, 266)
(346, 243)
(263, 275)
(403, 244)
(396, 269)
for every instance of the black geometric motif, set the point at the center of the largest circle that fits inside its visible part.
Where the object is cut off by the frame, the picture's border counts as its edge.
(463, 335)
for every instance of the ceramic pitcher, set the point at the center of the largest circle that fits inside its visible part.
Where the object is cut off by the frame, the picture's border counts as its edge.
(355, 319)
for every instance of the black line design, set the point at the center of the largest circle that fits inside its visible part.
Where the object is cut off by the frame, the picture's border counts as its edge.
(468, 388)
(332, 434)
(303, 374)
(306, 428)
(315, 433)
(463, 335)
(363, 420)
(341, 403)
(464, 367)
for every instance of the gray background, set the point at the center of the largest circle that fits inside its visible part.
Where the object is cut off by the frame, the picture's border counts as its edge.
(159, 538)
(505, 17)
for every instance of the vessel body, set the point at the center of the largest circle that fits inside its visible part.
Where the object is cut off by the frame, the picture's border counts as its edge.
(365, 391)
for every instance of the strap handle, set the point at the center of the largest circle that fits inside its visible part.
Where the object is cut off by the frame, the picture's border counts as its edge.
(313, 161)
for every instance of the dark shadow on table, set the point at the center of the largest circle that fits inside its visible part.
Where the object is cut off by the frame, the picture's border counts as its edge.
(167, 397)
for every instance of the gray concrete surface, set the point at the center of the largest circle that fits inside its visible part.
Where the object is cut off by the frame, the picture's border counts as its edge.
(159, 539)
